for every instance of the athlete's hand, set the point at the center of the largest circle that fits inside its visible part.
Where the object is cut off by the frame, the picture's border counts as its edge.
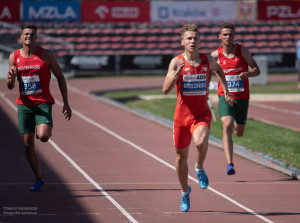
(12, 73)
(180, 65)
(243, 75)
(229, 99)
(67, 111)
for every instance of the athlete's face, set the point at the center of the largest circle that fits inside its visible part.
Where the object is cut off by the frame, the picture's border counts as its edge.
(190, 41)
(227, 37)
(28, 36)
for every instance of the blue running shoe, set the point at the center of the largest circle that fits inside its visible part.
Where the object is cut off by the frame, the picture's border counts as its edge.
(38, 184)
(185, 201)
(230, 169)
(202, 178)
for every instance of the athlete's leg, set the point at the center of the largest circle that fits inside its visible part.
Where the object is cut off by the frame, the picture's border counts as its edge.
(228, 124)
(241, 117)
(28, 139)
(44, 122)
(200, 137)
(44, 132)
(182, 167)
(239, 129)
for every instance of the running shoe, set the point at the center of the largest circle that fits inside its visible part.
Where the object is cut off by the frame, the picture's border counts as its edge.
(185, 201)
(38, 184)
(230, 169)
(202, 178)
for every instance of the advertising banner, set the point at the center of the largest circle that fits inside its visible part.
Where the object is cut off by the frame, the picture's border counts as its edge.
(191, 11)
(246, 10)
(51, 11)
(275, 10)
(97, 11)
(10, 11)
(150, 63)
(88, 65)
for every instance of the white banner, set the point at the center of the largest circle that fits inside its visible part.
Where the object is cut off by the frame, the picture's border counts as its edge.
(191, 11)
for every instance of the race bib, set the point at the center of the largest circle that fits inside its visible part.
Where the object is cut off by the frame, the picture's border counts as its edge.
(30, 85)
(194, 84)
(234, 83)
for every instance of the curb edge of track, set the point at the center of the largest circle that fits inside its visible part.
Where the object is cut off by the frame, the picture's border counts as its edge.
(238, 150)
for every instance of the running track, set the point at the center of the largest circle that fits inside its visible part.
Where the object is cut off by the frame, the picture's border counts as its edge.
(109, 165)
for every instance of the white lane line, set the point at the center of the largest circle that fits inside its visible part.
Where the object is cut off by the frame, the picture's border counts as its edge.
(273, 108)
(104, 183)
(12, 105)
(97, 186)
(101, 127)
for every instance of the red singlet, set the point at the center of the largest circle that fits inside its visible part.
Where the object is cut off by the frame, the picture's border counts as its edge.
(34, 79)
(192, 109)
(232, 67)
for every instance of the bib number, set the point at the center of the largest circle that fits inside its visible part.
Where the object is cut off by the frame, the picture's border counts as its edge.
(194, 84)
(30, 85)
(234, 83)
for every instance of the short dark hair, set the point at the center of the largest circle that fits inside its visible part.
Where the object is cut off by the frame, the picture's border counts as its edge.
(227, 25)
(189, 27)
(28, 26)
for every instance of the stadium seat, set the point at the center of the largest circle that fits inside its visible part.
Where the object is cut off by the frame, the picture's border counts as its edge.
(127, 46)
(164, 46)
(274, 36)
(164, 39)
(127, 39)
(152, 39)
(286, 37)
(274, 44)
(160, 37)
(139, 46)
(140, 39)
(151, 46)
(261, 37)
(115, 39)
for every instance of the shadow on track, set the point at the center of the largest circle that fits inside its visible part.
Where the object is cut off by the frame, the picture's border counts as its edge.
(53, 203)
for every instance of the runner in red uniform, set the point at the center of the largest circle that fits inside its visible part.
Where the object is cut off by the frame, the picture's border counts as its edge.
(31, 65)
(190, 73)
(234, 60)
(33, 87)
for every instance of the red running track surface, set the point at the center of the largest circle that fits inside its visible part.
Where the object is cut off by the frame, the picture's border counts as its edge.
(109, 165)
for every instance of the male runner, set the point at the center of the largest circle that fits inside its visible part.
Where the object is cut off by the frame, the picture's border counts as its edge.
(32, 65)
(234, 60)
(190, 73)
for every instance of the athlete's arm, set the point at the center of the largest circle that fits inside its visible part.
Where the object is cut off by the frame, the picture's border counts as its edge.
(50, 58)
(255, 71)
(12, 72)
(221, 76)
(174, 71)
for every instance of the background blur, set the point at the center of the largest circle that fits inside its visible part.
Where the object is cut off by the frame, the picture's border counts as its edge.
(140, 37)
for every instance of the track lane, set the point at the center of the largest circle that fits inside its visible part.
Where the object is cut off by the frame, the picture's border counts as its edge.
(146, 182)
(285, 114)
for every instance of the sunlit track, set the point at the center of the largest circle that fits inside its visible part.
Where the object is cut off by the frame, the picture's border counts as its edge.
(221, 197)
(160, 160)
(98, 187)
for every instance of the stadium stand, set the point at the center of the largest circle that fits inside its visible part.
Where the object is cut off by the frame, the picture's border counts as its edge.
(156, 38)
